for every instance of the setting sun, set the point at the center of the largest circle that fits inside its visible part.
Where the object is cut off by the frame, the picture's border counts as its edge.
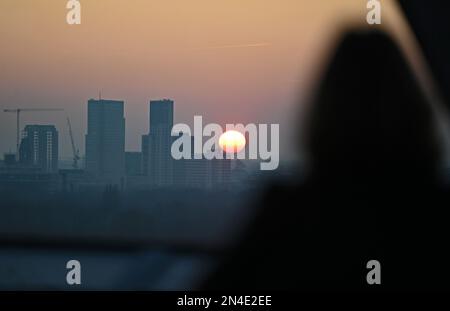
(232, 141)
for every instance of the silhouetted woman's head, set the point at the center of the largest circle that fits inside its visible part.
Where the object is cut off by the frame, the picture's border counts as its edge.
(370, 121)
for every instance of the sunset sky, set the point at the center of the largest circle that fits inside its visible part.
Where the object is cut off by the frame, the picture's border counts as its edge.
(228, 60)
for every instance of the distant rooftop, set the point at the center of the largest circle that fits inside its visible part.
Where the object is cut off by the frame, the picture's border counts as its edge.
(105, 100)
(40, 125)
(165, 100)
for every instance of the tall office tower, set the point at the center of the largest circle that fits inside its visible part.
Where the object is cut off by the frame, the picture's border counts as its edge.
(145, 157)
(202, 173)
(105, 140)
(160, 162)
(39, 147)
(221, 172)
(133, 163)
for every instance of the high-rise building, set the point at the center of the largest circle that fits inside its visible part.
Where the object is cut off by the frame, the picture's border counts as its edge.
(39, 148)
(133, 163)
(160, 163)
(161, 117)
(145, 149)
(105, 140)
(201, 173)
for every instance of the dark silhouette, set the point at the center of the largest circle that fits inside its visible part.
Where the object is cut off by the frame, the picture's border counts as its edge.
(372, 191)
(431, 26)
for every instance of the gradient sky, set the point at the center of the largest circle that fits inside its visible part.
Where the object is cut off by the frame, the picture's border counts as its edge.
(228, 60)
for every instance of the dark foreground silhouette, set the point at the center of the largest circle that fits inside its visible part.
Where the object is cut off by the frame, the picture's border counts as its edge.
(372, 192)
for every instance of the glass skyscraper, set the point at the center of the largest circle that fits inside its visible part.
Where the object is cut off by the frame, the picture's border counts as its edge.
(105, 140)
(160, 163)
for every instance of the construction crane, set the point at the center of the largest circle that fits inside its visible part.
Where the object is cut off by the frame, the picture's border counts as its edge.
(75, 151)
(17, 111)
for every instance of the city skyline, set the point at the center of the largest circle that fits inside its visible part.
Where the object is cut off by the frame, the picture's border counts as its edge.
(160, 123)
(106, 162)
(239, 63)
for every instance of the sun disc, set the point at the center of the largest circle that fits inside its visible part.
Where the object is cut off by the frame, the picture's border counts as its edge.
(232, 141)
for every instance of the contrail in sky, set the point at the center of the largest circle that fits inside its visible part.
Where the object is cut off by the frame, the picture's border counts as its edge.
(234, 46)
(231, 46)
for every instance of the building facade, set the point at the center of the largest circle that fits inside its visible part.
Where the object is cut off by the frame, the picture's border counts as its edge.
(105, 140)
(159, 141)
(202, 173)
(39, 148)
(133, 163)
